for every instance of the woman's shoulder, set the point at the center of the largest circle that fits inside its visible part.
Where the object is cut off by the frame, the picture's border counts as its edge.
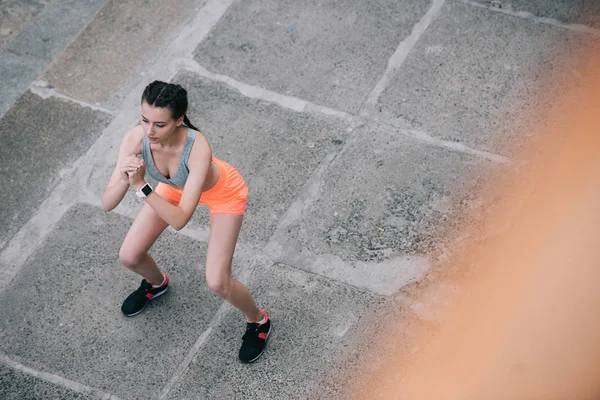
(133, 139)
(200, 138)
(135, 133)
(195, 133)
(200, 148)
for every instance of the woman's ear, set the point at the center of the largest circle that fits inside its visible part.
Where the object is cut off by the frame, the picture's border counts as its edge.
(179, 121)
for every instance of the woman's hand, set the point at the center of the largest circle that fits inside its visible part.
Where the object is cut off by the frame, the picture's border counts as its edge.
(129, 165)
(136, 177)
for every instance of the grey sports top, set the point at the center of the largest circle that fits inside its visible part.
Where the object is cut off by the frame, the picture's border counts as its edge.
(181, 175)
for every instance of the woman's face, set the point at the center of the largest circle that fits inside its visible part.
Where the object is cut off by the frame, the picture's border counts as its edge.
(158, 122)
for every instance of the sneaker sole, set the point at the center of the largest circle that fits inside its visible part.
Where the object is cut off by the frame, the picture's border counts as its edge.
(153, 297)
(260, 354)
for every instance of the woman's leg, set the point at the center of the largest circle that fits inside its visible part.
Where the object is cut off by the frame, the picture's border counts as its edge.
(144, 231)
(224, 231)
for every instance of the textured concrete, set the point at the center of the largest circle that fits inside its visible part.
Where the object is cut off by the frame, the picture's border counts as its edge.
(32, 33)
(477, 88)
(39, 138)
(375, 235)
(584, 12)
(17, 73)
(15, 385)
(54, 28)
(329, 52)
(306, 339)
(14, 16)
(397, 203)
(117, 46)
(62, 312)
(355, 163)
(275, 150)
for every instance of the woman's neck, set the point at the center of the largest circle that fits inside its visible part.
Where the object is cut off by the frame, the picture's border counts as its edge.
(175, 139)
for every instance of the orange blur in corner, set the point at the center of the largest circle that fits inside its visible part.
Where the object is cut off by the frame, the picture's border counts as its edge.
(527, 323)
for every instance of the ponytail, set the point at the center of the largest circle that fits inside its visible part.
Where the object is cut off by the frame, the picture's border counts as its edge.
(187, 123)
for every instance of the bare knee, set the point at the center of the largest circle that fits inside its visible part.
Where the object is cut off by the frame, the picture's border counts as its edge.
(129, 258)
(219, 284)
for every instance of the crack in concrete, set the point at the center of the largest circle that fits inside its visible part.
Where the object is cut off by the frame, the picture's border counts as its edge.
(204, 336)
(57, 380)
(338, 282)
(256, 92)
(400, 55)
(580, 28)
(41, 89)
(398, 271)
(198, 345)
(453, 146)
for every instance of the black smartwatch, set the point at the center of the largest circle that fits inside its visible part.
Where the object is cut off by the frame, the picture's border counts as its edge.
(144, 191)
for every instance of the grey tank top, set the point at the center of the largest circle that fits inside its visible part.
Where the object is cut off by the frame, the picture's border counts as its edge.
(183, 171)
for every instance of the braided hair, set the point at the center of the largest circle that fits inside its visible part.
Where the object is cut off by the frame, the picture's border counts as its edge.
(162, 94)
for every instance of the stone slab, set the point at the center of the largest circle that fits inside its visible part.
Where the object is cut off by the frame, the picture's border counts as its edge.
(475, 77)
(383, 278)
(276, 150)
(586, 12)
(15, 385)
(329, 52)
(117, 45)
(62, 314)
(54, 28)
(314, 320)
(14, 16)
(386, 197)
(16, 72)
(39, 138)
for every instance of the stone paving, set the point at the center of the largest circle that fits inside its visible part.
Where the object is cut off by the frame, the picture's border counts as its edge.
(363, 129)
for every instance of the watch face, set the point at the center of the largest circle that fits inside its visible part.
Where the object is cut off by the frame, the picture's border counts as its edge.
(146, 189)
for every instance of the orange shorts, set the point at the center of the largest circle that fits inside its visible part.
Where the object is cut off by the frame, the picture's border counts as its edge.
(228, 196)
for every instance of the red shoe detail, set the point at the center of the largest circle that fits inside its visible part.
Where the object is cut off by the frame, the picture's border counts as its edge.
(265, 314)
(262, 335)
(149, 296)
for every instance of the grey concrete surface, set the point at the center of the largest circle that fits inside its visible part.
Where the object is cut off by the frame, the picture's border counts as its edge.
(62, 312)
(397, 204)
(478, 85)
(305, 335)
(15, 385)
(570, 11)
(118, 45)
(39, 138)
(54, 28)
(363, 128)
(17, 73)
(274, 149)
(328, 52)
(36, 31)
(399, 207)
(14, 16)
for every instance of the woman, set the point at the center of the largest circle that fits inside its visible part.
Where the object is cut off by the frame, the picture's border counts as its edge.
(177, 155)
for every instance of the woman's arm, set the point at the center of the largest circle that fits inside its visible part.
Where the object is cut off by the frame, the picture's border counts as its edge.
(126, 162)
(198, 164)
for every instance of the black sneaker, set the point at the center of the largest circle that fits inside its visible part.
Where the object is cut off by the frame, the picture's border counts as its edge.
(254, 340)
(138, 300)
